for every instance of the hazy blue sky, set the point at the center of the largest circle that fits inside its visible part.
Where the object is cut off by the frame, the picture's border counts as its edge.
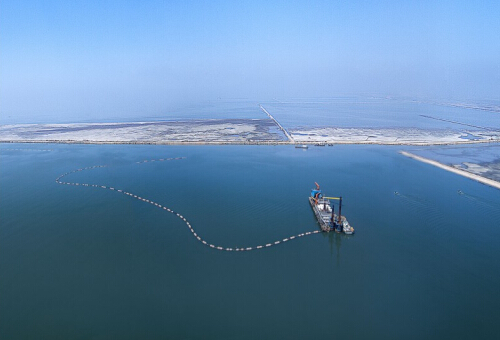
(121, 58)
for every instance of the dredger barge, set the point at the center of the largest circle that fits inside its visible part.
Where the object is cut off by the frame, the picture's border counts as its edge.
(325, 213)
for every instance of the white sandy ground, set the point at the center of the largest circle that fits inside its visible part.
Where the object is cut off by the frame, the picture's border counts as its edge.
(197, 132)
(464, 173)
(230, 131)
(395, 136)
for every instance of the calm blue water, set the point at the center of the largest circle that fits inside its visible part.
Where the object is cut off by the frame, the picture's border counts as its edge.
(356, 112)
(89, 263)
(216, 109)
(377, 113)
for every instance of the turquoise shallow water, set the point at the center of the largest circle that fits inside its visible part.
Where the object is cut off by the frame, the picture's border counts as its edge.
(89, 263)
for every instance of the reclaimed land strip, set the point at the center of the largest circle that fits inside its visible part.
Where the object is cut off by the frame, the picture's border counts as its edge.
(217, 131)
(246, 142)
(231, 132)
(464, 173)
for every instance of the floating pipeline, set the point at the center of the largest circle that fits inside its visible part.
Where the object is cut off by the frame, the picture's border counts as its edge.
(178, 215)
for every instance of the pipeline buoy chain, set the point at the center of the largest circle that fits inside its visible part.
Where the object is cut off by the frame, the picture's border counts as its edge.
(193, 232)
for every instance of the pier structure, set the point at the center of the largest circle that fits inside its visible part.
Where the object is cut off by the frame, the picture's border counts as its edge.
(290, 138)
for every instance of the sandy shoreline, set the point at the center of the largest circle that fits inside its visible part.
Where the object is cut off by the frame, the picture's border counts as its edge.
(262, 142)
(460, 172)
(392, 136)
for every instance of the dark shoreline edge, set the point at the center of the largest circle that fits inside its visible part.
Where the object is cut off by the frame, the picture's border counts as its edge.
(260, 142)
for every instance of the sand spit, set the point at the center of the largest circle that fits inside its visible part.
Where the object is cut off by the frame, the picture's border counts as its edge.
(465, 173)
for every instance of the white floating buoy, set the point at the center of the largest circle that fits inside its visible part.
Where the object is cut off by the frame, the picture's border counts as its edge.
(58, 180)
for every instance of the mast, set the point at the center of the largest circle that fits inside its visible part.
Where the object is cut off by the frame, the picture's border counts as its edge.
(340, 210)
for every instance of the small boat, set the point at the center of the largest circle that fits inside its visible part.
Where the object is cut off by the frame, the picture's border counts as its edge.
(346, 227)
(303, 146)
(325, 213)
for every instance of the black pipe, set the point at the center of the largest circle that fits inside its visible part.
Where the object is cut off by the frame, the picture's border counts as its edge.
(340, 210)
